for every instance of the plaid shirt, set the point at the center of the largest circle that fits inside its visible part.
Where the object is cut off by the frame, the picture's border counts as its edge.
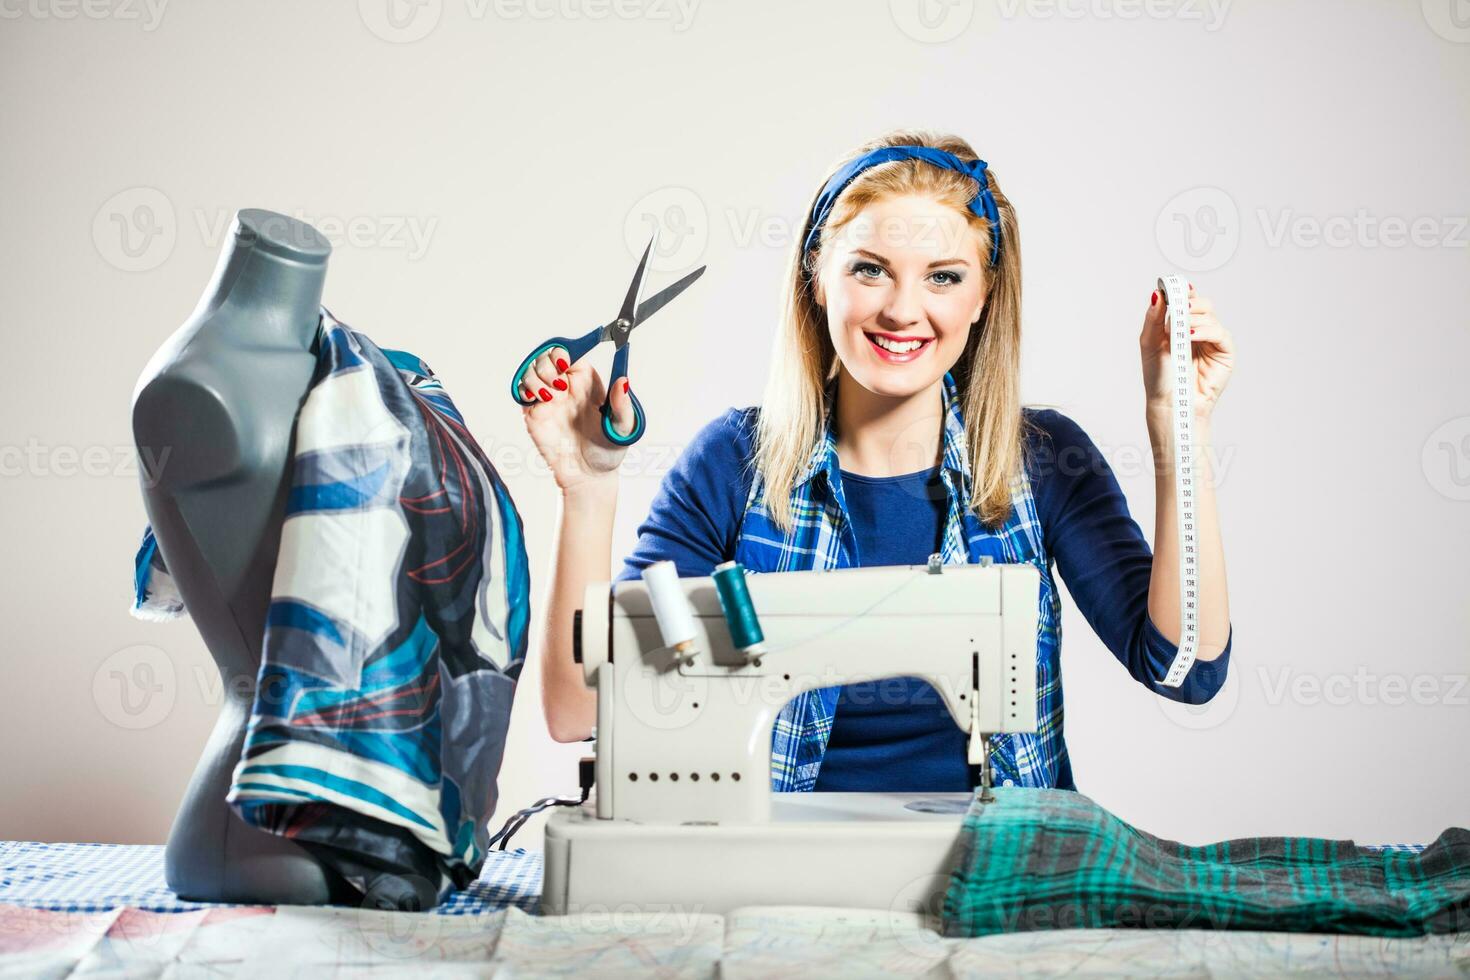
(821, 537)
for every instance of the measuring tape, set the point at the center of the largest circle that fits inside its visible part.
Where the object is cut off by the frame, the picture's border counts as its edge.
(1176, 294)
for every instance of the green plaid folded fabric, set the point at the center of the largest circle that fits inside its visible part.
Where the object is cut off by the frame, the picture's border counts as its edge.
(1053, 859)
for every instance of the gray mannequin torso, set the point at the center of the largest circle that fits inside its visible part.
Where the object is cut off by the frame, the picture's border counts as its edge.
(213, 416)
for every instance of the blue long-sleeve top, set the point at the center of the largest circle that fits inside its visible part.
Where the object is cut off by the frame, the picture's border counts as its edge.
(896, 734)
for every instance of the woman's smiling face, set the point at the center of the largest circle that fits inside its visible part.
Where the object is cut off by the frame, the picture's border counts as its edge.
(901, 284)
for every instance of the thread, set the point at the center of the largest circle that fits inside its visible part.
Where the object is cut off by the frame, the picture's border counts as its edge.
(740, 617)
(670, 606)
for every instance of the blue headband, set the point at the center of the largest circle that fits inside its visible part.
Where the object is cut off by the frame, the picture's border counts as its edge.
(983, 203)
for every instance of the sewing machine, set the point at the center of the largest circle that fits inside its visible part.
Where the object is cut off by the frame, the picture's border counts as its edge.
(683, 814)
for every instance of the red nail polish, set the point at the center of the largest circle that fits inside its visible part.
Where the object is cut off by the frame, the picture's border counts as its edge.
(1191, 329)
(625, 385)
(558, 384)
(561, 364)
(1191, 285)
(1153, 298)
(545, 395)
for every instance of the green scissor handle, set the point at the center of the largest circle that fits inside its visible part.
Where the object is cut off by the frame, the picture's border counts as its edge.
(576, 348)
(619, 372)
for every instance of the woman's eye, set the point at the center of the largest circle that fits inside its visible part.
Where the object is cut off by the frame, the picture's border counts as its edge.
(867, 270)
(945, 278)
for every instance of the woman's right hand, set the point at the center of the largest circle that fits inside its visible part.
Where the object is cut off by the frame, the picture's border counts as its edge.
(565, 423)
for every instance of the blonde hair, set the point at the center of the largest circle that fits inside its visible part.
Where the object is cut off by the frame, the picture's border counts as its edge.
(795, 405)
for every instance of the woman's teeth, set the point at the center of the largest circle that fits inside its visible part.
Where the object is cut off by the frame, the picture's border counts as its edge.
(896, 346)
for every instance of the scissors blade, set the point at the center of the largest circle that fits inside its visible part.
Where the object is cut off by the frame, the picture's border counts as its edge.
(635, 288)
(661, 298)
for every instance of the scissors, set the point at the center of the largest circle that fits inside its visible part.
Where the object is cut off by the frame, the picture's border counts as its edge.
(631, 315)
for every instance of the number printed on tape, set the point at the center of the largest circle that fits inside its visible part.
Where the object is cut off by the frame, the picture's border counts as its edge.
(1176, 295)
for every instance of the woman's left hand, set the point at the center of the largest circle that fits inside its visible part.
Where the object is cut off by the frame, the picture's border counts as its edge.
(1212, 347)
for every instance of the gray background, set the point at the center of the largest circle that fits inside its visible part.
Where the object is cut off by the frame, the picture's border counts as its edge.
(485, 171)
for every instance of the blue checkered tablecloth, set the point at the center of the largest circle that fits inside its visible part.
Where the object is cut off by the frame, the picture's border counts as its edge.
(101, 877)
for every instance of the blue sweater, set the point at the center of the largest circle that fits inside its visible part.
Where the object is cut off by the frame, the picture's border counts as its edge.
(895, 734)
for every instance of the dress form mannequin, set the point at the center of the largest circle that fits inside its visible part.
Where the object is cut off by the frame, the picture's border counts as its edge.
(216, 406)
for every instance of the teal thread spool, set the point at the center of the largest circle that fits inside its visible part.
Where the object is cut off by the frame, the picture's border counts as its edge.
(740, 617)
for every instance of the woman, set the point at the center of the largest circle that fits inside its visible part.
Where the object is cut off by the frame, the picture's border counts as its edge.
(890, 429)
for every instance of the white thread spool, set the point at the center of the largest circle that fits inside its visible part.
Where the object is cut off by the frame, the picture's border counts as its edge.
(671, 607)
